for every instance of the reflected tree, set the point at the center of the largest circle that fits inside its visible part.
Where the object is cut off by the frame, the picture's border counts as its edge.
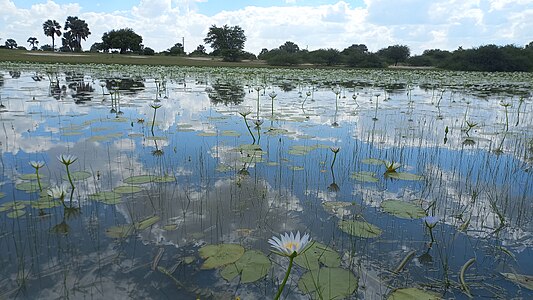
(226, 92)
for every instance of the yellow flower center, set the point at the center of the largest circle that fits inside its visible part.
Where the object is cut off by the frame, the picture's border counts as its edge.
(292, 246)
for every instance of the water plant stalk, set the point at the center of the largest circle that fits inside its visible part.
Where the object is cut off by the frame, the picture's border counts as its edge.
(282, 286)
(464, 286)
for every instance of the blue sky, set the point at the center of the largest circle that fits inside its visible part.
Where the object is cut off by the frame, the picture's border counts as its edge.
(419, 24)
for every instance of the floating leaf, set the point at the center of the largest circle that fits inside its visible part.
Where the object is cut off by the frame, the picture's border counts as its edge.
(45, 203)
(189, 260)
(17, 213)
(139, 179)
(412, 294)
(78, 175)
(2, 195)
(403, 209)
(230, 133)
(106, 197)
(360, 228)
(328, 283)
(121, 231)
(220, 255)
(373, 161)
(31, 176)
(147, 222)
(170, 227)
(404, 176)
(364, 176)
(523, 280)
(252, 266)
(164, 178)
(31, 186)
(207, 133)
(127, 189)
(316, 253)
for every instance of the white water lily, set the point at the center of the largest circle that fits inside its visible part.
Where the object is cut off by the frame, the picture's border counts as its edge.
(289, 243)
(67, 159)
(37, 164)
(57, 192)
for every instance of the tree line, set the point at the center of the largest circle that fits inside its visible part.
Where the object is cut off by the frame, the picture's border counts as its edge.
(228, 42)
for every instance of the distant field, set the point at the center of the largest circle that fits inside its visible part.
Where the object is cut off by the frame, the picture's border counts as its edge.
(123, 59)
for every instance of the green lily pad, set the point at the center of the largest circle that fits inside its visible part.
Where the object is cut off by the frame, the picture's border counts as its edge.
(164, 178)
(252, 266)
(106, 197)
(220, 255)
(2, 195)
(328, 283)
(318, 253)
(120, 231)
(188, 260)
(230, 133)
(17, 213)
(31, 176)
(373, 161)
(31, 186)
(207, 133)
(412, 294)
(402, 209)
(127, 189)
(45, 203)
(139, 179)
(360, 228)
(156, 138)
(14, 205)
(523, 280)
(404, 176)
(364, 176)
(78, 175)
(147, 222)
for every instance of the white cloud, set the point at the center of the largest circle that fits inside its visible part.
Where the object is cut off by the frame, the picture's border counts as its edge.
(444, 24)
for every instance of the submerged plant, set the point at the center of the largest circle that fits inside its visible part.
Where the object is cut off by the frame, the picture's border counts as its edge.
(37, 165)
(290, 246)
(67, 160)
(272, 95)
(431, 222)
(155, 106)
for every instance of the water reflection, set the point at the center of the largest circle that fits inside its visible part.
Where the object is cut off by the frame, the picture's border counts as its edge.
(152, 188)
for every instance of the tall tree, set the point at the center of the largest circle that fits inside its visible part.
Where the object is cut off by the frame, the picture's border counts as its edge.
(69, 42)
(51, 28)
(124, 39)
(11, 44)
(33, 42)
(289, 47)
(78, 29)
(395, 54)
(226, 41)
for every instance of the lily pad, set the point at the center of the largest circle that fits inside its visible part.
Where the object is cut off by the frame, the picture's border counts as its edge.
(364, 176)
(45, 203)
(31, 176)
(139, 179)
(402, 209)
(106, 197)
(78, 175)
(412, 294)
(31, 186)
(2, 195)
(147, 222)
(230, 133)
(17, 213)
(404, 176)
(328, 283)
(523, 280)
(120, 231)
(318, 253)
(127, 189)
(360, 228)
(252, 266)
(164, 178)
(373, 161)
(220, 255)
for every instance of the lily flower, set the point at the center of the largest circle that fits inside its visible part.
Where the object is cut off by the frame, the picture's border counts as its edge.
(289, 244)
(67, 159)
(37, 164)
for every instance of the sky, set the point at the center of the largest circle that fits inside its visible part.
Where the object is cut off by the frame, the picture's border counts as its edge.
(419, 24)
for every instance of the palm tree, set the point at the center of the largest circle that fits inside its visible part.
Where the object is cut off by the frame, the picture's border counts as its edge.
(52, 28)
(78, 29)
(33, 42)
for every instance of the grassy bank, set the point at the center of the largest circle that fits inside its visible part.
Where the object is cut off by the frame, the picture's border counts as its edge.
(123, 59)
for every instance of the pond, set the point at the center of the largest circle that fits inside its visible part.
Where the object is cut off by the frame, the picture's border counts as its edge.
(167, 182)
